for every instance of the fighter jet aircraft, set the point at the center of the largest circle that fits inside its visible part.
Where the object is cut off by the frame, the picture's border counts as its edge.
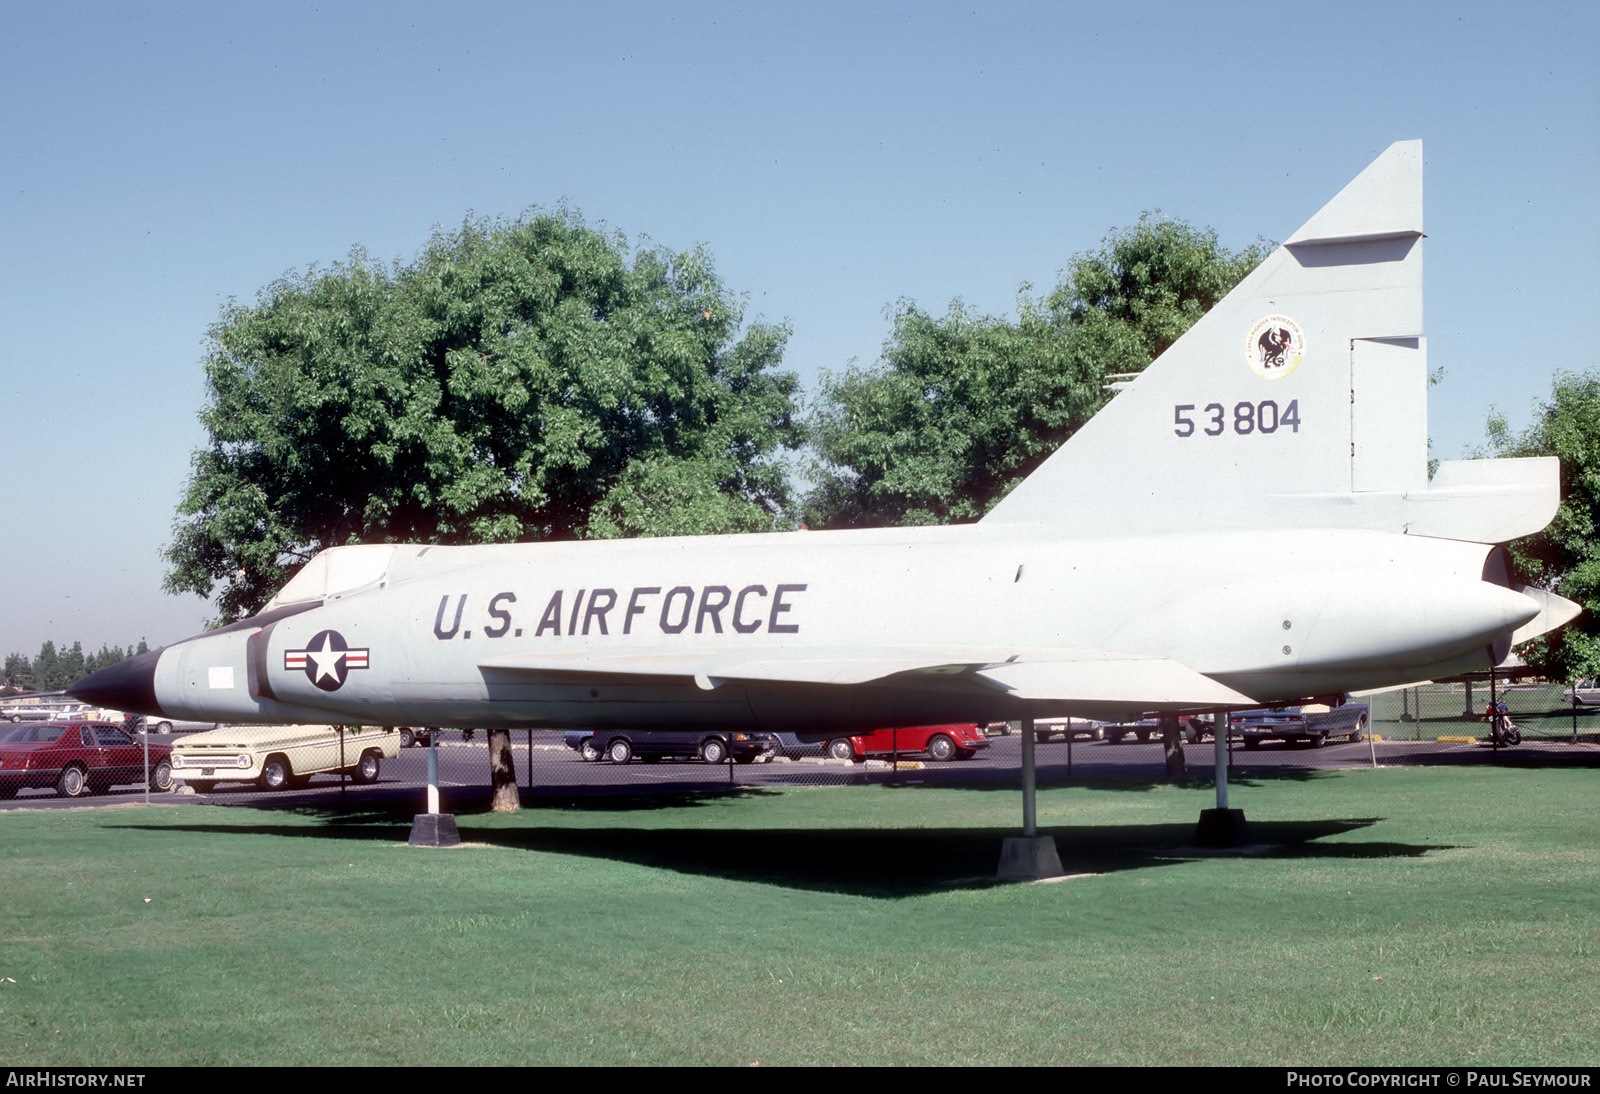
(1250, 522)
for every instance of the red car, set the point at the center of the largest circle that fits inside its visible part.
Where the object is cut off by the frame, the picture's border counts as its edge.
(78, 758)
(939, 742)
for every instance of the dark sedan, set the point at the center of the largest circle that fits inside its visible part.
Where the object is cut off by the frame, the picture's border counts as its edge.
(78, 758)
(1312, 723)
(620, 746)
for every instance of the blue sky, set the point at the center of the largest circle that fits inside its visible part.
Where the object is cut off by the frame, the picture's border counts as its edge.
(835, 158)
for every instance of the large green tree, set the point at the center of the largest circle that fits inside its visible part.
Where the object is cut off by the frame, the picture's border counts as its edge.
(519, 380)
(961, 407)
(1565, 557)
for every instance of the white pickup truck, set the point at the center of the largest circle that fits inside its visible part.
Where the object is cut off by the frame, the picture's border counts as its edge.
(279, 757)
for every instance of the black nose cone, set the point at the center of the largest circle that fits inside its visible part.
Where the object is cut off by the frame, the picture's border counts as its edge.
(128, 686)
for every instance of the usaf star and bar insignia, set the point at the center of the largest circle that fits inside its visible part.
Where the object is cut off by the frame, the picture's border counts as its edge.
(326, 660)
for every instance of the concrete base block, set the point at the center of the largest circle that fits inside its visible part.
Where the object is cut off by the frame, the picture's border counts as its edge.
(1221, 828)
(434, 830)
(1028, 858)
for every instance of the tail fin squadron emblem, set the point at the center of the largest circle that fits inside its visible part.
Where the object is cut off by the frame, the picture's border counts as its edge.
(327, 660)
(1275, 346)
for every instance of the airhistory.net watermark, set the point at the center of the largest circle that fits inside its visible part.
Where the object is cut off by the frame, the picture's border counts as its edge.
(47, 1078)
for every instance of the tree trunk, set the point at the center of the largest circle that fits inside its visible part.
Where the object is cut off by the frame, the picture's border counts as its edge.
(1172, 747)
(502, 773)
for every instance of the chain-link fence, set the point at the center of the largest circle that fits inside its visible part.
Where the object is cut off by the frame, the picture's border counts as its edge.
(1458, 714)
(1436, 723)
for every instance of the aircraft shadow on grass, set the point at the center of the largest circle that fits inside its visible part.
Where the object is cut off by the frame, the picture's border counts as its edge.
(878, 863)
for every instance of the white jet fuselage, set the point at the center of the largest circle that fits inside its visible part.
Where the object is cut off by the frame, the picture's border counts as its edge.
(708, 631)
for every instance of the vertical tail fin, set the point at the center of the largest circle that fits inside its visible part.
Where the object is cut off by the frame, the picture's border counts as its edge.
(1306, 385)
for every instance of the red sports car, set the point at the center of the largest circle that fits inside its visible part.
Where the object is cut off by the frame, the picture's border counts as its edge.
(939, 742)
(78, 758)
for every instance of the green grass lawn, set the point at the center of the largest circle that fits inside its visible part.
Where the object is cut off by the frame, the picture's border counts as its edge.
(1411, 916)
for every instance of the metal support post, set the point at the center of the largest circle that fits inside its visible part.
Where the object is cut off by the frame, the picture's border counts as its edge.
(1030, 856)
(1219, 753)
(1222, 826)
(1030, 811)
(1494, 725)
(433, 771)
(433, 828)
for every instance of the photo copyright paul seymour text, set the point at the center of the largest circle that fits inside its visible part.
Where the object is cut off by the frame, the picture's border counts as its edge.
(1439, 1079)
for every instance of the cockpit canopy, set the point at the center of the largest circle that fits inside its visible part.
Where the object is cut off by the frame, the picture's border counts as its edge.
(335, 572)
